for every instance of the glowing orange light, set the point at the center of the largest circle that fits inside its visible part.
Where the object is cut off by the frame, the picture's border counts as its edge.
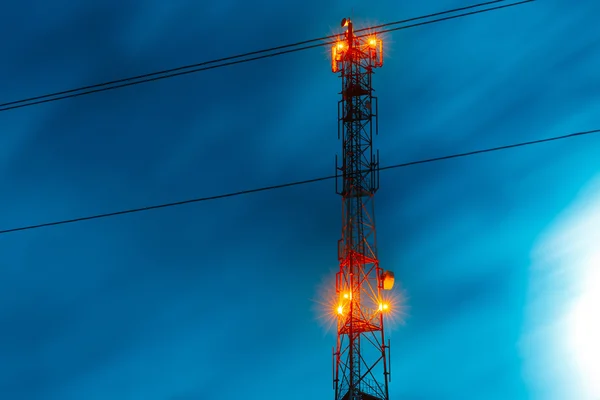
(340, 45)
(346, 295)
(340, 310)
(383, 306)
(334, 57)
(372, 42)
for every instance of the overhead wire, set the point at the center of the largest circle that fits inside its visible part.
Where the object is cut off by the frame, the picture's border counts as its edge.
(296, 183)
(244, 58)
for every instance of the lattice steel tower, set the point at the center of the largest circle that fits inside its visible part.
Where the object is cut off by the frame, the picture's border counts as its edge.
(361, 357)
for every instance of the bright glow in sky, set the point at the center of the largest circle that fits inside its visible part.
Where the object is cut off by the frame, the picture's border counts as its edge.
(567, 261)
(584, 332)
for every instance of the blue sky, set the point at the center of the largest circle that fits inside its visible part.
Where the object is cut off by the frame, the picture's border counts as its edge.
(494, 252)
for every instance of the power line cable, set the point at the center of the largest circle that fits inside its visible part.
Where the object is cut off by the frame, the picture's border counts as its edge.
(296, 183)
(252, 53)
(239, 59)
(456, 16)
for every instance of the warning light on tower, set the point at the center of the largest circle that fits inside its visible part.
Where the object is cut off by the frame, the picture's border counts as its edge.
(365, 48)
(388, 280)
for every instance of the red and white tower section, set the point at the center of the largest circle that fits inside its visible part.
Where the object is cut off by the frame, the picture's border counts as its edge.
(361, 357)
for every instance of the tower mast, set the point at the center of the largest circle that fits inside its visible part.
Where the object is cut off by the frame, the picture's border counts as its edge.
(361, 357)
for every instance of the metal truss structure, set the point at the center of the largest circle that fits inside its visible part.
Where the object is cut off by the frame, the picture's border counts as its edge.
(361, 357)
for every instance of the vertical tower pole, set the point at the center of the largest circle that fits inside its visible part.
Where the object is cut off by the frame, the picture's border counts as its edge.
(361, 371)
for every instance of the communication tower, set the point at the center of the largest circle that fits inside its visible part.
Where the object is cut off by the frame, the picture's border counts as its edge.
(361, 365)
